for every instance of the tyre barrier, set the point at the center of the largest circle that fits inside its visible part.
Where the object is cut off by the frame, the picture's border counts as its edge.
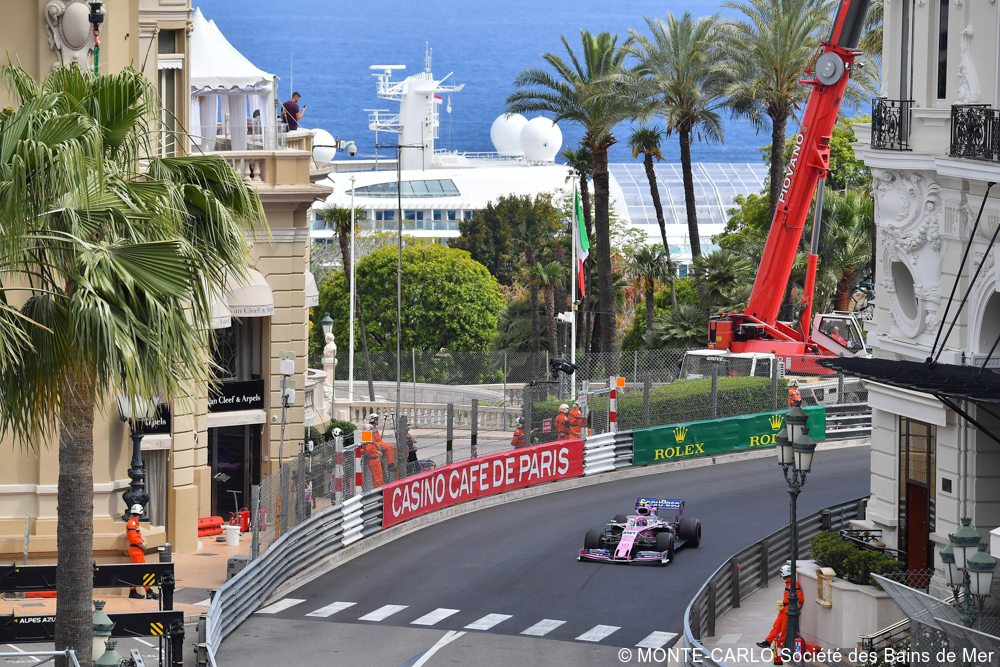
(607, 452)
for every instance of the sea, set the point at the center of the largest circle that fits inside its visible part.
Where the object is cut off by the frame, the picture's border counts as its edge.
(323, 50)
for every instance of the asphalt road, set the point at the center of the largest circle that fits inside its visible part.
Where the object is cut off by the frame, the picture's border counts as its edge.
(519, 560)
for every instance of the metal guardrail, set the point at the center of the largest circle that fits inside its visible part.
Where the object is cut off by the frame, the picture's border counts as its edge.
(748, 570)
(316, 538)
(848, 420)
(52, 655)
(607, 452)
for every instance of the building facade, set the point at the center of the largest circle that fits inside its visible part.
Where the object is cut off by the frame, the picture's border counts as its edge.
(932, 157)
(236, 429)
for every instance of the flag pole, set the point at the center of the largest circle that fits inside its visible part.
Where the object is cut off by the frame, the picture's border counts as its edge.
(572, 299)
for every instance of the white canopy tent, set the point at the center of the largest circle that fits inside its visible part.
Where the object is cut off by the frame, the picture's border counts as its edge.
(222, 75)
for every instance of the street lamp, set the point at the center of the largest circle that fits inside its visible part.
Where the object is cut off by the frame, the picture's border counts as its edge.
(102, 629)
(327, 323)
(795, 455)
(136, 493)
(969, 571)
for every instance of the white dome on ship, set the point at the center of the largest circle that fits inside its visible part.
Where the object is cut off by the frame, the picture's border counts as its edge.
(541, 140)
(322, 140)
(505, 133)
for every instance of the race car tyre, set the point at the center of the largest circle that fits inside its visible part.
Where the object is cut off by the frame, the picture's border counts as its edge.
(690, 531)
(665, 542)
(621, 518)
(593, 539)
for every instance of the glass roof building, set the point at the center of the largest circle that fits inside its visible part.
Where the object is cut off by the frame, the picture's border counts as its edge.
(715, 187)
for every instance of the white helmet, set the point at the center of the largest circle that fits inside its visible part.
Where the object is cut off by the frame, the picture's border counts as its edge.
(563, 408)
(337, 432)
(793, 383)
(373, 418)
(136, 509)
(786, 571)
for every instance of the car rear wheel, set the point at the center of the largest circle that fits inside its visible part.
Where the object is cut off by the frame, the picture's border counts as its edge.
(621, 518)
(593, 539)
(690, 531)
(665, 542)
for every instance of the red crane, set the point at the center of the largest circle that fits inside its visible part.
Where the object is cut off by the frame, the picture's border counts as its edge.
(757, 328)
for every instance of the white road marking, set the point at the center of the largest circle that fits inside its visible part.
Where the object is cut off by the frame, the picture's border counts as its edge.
(143, 641)
(730, 639)
(656, 640)
(21, 650)
(331, 609)
(383, 613)
(597, 633)
(488, 621)
(448, 638)
(542, 628)
(435, 616)
(280, 605)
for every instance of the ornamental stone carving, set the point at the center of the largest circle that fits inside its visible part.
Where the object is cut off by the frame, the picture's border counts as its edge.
(67, 24)
(909, 215)
(968, 81)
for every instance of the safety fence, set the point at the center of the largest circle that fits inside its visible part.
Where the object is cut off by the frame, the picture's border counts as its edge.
(751, 569)
(316, 538)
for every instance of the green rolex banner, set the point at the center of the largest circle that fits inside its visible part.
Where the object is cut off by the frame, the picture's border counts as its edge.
(717, 436)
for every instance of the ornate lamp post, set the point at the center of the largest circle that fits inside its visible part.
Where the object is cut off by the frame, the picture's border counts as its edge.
(102, 629)
(969, 571)
(795, 455)
(136, 493)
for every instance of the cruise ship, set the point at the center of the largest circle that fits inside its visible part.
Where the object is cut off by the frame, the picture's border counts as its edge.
(440, 188)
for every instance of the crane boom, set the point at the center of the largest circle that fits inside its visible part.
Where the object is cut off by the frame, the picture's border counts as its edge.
(809, 162)
(757, 329)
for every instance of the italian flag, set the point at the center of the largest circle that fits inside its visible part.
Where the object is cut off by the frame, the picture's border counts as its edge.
(582, 243)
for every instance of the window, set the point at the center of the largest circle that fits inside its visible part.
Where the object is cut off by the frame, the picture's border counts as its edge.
(411, 189)
(917, 467)
(167, 80)
(437, 215)
(467, 215)
(453, 215)
(942, 77)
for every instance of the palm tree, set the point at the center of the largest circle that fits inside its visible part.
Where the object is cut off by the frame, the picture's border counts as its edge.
(650, 264)
(871, 40)
(766, 56)
(682, 326)
(527, 237)
(682, 84)
(580, 161)
(549, 277)
(338, 218)
(724, 271)
(115, 260)
(583, 92)
(646, 141)
(846, 243)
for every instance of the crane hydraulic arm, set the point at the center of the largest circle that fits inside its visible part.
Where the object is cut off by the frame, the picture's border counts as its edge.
(807, 167)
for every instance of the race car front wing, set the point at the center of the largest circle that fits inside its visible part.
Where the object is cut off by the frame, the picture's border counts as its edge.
(605, 556)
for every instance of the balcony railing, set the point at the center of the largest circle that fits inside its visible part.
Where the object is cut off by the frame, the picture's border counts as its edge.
(975, 132)
(891, 124)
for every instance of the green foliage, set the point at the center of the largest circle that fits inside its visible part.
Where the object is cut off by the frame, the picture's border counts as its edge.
(449, 300)
(747, 228)
(685, 289)
(679, 401)
(491, 236)
(849, 561)
(846, 170)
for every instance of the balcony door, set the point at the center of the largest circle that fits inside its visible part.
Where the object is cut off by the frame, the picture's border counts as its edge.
(917, 442)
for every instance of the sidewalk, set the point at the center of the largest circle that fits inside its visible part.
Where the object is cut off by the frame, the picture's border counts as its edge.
(196, 574)
(739, 630)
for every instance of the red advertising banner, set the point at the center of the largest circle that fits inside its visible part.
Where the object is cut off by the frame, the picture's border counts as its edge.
(483, 476)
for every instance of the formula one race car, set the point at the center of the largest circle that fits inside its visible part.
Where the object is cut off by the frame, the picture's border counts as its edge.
(644, 537)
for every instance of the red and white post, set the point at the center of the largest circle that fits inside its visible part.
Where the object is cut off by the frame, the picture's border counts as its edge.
(360, 438)
(338, 469)
(615, 384)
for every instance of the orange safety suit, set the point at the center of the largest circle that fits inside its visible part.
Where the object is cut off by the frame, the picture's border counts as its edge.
(781, 623)
(562, 426)
(370, 451)
(577, 422)
(794, 397)
(518, 440)
(135, 541)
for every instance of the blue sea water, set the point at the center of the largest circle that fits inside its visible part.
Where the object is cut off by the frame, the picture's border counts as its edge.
(324, 50)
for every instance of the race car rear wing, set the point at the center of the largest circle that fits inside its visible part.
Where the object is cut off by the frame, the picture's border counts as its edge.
(658, 502)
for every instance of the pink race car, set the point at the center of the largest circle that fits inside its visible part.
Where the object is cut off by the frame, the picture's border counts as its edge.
(644, 537)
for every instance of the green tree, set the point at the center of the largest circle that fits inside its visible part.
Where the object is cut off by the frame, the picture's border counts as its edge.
(583, 91)
(449, 300)
(845, 243)
(339, 219)
(747, 228)
(114, 261)
(646, 141)
(682, 84)
(846, 170)
(549, 277)
(766, 55)
(649, 265)
(871, 40)
(723, 272)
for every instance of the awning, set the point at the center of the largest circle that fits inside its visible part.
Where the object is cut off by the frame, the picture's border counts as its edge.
(252, 300)
(236, 418)
(312, 292)
(222, 318)
(961, 382)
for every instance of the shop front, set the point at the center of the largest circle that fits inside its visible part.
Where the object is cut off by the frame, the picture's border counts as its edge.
(236, 404)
